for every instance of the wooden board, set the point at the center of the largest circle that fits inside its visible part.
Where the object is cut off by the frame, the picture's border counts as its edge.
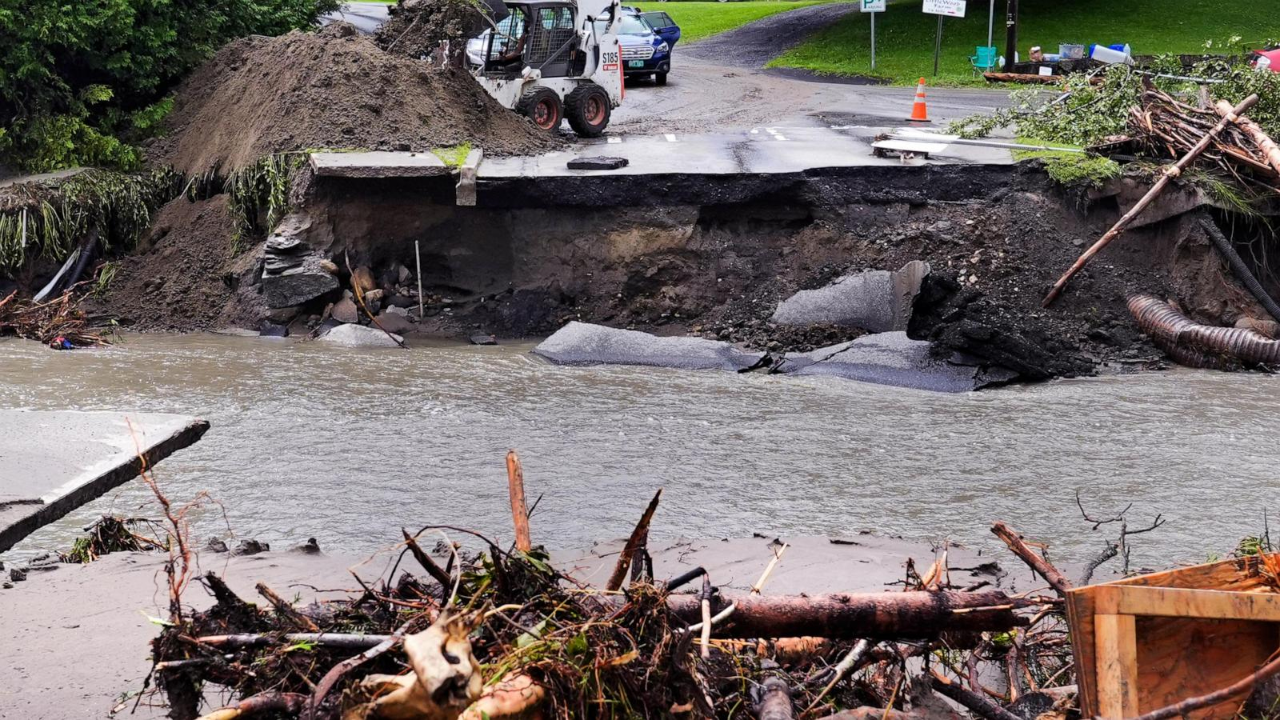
(1195, 629)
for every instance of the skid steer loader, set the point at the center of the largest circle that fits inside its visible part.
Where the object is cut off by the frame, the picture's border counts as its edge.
(553, 60)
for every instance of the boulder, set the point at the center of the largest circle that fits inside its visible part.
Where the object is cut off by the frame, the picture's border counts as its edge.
(362, 277)
(892, 358)
(394, 323)
(873, 300)
(482, 339)
(359, 336)
(297, 285)
(345, 311)
(293, 274)
(270, 329)
(283, 315)
(585, 344)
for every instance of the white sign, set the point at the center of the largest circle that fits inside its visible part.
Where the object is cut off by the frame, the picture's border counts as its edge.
(872, 6)
(950, 8)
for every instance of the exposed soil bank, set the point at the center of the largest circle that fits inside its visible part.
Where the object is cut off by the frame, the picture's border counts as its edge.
(714, 257)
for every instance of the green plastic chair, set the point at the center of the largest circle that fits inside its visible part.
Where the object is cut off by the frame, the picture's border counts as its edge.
(985, 60)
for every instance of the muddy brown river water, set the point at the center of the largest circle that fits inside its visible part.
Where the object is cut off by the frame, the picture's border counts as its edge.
(348, 446)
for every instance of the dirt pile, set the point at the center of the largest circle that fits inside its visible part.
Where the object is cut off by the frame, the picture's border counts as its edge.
(330, 89)
(416, 28)
(184, 276)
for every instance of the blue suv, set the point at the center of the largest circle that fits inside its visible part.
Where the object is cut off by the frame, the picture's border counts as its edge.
(647, 39)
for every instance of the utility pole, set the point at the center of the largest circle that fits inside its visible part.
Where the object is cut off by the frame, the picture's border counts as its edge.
(1011, 28)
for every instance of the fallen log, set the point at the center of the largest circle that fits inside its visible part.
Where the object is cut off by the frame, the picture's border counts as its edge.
(973, 702)
(858, 615)
(1166, 176)
(1043, 568)
(263, 705)
(775, 701)
(1269, 149)
(915, 614)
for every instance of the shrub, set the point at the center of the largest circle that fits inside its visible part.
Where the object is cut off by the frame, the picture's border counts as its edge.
(81, 82)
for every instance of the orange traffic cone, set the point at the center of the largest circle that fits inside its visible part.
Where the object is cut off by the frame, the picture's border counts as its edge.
(920, 111)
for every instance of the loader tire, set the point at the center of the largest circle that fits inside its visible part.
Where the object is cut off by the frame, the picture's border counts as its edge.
(542, 106)
(588, 110)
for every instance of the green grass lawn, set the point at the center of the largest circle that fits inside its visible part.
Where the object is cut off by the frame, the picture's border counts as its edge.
(904, 35)
(701, 19)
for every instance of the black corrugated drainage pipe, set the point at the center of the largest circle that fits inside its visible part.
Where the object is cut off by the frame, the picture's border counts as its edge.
(1204, 346)
(1239, 268)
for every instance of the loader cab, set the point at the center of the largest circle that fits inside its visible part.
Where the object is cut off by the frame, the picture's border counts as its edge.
(539, 35)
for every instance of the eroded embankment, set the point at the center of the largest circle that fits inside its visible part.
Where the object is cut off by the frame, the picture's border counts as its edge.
(714, 256)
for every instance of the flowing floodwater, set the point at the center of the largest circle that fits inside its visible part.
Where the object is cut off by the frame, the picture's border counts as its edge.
(348, 446)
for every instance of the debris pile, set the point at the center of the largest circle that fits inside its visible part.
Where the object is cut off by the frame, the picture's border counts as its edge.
(58, 323)
(502, 633)
(1168, 128)
(328, 89)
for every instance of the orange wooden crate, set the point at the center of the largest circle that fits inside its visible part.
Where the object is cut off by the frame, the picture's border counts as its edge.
(1150, 641)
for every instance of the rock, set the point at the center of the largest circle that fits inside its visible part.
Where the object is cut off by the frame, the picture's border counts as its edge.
(362, 277)
(345, 311)
(482, 339)
(394, 310)
(598, 163)
(17, 574)
(1266, 328)
(373, 296)
(403, 276)
(401, 301)
(297, 285)
(892, 358)
(250, 547)
(310, 547)
(329, 266)
(394, 323)
(270, 329)
(873, 300)
(283, 315)
(585, 344)
(359, 336)
(291, 273)
(216, 545)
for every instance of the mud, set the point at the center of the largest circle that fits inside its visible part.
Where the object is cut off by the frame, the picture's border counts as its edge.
(184, 275)
(329, 89)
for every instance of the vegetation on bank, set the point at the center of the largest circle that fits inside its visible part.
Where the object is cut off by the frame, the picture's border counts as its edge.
(82, 83)
(698, 20)
(905, 35)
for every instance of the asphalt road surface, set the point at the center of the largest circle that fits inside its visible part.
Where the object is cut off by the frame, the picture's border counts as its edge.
(366, 16)
(720, 84)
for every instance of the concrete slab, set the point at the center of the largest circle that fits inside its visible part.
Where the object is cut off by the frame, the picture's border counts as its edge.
(758, 151)
(52, 462)
(378, 164)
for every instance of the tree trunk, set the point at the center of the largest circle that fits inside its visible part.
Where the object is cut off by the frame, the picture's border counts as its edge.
(861, 615)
